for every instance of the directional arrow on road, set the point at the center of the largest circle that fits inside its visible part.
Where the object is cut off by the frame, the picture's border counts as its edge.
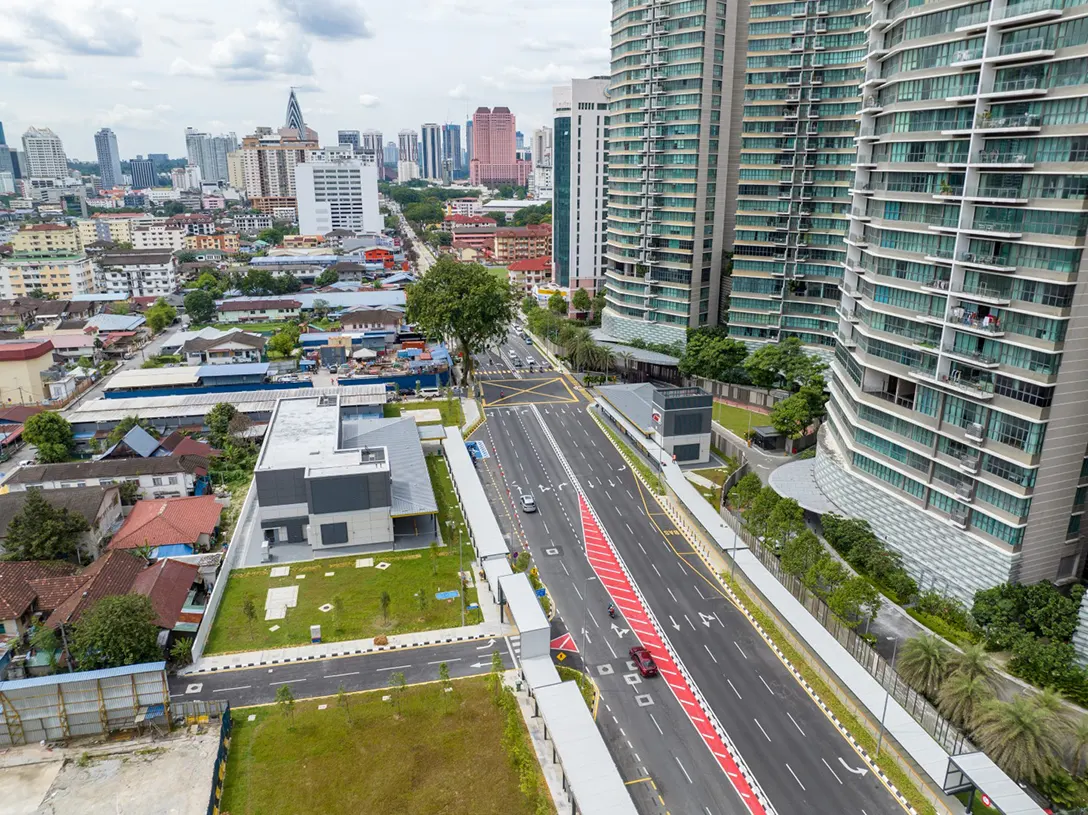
(480, 665)
(675, 624)
(485, 647)
(850, 769)
(619, 631)
(542, 488)
(706, 618)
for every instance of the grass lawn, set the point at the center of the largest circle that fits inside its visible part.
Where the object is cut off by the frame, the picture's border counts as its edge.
(635, 459)
(718, 476)
(260, 328)
(737, 419)
(501, 272)
(452, 414)
(449, 507)
(441, 754)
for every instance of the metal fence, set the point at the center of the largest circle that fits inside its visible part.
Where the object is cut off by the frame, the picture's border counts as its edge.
(742, 395)
(219, 771)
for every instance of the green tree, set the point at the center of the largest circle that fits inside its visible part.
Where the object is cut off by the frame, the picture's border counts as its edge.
(758, 516)
(465, 302)
(125, 425)
(744, 492)
(209, 282)
(51, 434)
(444, 678)
(321, 308)
(398, 684)
(962, 697)
(86, 363)
(1020, 737)
(923, 663)
(713, 354)
(973, 662)
(581, 300)
(200, 306)
(598, 303)
(285, 701)
(1078, 736)
(116, 631)
(785, 521)
(499, 218)
(218, 420)
(327, 278)
(284, 342)
(425, 212)
(181, 652)
(856, 596)
(784, 363)
(495, 676)
(801, 553)
(45, 640)
(130, 492)
(528, 303)
(160, 315)
(792, 416)
(120, 308)
(249, 610)
(557, 304)
(41, 531)
(826, 576)
(384, 601)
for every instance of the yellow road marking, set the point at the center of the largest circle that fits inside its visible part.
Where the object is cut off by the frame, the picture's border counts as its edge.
(637, 781)
(518, 390)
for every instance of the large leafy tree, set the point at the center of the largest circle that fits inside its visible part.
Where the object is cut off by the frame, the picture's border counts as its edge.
(785, 521)
(1008, 611)
(581, 300)
(327, 278)
(557, 304)
(923, 663)
(219, 418)
(713, 354)
(962, 698)
(160, 315)
(785, 364)
(801, 553)
(125, 425)
(283, 342)
(744, 492)
(856, 596)
(116, 631)
(51, 434)
(200, 306)
(463, 302)
(41, 531)
(757, 518)
(1020, 736)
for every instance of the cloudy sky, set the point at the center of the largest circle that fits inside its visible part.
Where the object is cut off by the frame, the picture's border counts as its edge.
(226, 65)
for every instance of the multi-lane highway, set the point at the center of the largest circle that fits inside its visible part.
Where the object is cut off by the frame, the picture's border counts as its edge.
(539, 434)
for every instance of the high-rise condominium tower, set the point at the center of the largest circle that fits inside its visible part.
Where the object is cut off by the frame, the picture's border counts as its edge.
(957, 416)
(109, 158)
(348, 137)
(294, 114)
(431, 147)
(45, 156)
(669, 156)
(209, 153)
(339, 194)
(451, 148)
(579, 156)
(805, 62)
(408, 160)
(142, 171)
(371, 146)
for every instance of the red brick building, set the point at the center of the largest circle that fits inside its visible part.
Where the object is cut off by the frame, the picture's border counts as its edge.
(516, 243)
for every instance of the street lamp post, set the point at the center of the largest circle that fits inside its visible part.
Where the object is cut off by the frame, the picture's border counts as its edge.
(887, 696)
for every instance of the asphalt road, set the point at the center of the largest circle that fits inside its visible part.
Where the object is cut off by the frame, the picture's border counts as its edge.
(796, 754)
(258, 686)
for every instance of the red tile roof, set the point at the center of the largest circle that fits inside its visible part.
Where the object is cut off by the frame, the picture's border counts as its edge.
(166, 583)
(18, 414)
(52, 591)
(471, 219)
(167, 521)
(110, 575)
(258, 305)
(13, 351)
(16, 593)
(541, 264)
(191, 447)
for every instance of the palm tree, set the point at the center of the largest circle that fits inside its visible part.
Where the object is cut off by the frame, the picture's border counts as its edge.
(1053, 703)
(603, 357)
(1019, 736)
(972, 662)
(626, 358)
(962, 697)
(923, 663)
(1078, 735)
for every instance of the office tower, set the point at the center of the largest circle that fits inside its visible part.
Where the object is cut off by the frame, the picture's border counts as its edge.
(142, 171)
(669, 159)
(209, 153)
(109, 159)
(451, 149)
(391, 154)
(957, 414)
(18, 163)
(370, 147)
(542, 146)
(7, 160)
(268, 166)
(338, 195)
(793, 205)
(160, 160)
(579, 159)
(45, 156)
(408, 159)
(431, 149)
(494, 156)
(468, 145)
(348, 137)
(294, 114)
(519, 140)
(2, 139)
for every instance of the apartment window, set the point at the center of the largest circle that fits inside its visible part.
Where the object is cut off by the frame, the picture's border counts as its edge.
(156, 482)
(1073, 529)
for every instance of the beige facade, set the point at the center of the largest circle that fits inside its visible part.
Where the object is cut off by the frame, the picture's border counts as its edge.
(40, 240)
(21, 367)
(63, 277)
(236, 173)
(159, 236)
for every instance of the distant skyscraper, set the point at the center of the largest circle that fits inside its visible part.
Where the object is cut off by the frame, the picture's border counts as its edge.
(160, 159)
(370, 146)
(542, 147)
(45, 156)
(520, 140)
(2, 139)
(451, 148)
(142, 171)
(294, 113)
(408, 155)
(391, 153)
(431, 147)
(7, 159)
(348, 137)
(268, 166)
(469, 153)
(109, 159)
(579, 165)
(209, 153)
(494, 151)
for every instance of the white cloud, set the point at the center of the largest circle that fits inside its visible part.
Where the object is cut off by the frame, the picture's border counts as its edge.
(459, 92)
(272, 51)
(328, 19)
(13, 51)
(546, 45)
(524, 79)
(136, 118)
(140, 87)
(47, 67)
(182, 67)
(369, 100)
(92, 28)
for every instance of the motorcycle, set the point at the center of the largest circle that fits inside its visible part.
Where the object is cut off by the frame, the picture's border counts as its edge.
(612, 611)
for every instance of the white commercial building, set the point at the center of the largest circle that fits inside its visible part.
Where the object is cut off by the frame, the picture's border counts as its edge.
(137, 273)
(159, 236)
(580, 183)
(252, 223)
(408, 159)
(186, 178)
(337, 195)
(45, 156)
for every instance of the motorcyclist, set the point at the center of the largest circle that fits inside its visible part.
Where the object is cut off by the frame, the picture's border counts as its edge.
(611, 610)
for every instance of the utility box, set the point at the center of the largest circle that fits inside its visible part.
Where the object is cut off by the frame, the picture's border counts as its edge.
(315, 633)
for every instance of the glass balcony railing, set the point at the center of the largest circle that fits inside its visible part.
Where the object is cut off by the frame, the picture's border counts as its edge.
(1029, 7)
(995, 157)
(1028, 83)
(994, 122)
(1024, 47)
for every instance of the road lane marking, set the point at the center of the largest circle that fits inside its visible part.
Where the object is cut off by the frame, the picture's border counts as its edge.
(761, 730)
(394, 668)
(685, 772)
(693, 628)
(440, 661)
(802, 732)
(658, 573)
(659, 730)
(824, 760)
(707, 647)
(228, 690)
(737, 692)
(673, 596)
(629, 529)
(764, 681)
(286, 681)
(795, 778)
(741, 650)
(338, 676)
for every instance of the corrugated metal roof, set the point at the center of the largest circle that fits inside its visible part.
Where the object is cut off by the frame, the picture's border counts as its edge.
(412, 492)
(81, 676)
(153, 378)
(239, 369)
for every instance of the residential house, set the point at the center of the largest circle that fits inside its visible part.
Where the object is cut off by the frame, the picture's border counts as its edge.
(18, 313)
(158, 477)
(258, 311)
(22, 363)
(19, 601)
(224, 242)
(522, 243)
(194, 223)
(136, 443)
(178, 444)
(11, 426)
(372, 319)
(99, 506)
(170, 527)
(233, 348)
(525, 274)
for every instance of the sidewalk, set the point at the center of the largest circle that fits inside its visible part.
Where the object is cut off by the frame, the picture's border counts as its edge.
(552, 770)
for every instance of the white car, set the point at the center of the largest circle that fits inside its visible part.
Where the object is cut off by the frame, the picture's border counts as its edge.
(528, 503)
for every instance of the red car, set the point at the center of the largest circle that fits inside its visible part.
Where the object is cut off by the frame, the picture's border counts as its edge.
(643, 661)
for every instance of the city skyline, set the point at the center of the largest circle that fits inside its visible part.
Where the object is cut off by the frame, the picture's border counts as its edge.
(149, 75)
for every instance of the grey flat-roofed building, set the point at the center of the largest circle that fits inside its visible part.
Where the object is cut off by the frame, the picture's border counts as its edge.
(676, 419)
(331, 478)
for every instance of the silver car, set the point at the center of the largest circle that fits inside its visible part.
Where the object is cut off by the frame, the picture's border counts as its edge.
(528, 503)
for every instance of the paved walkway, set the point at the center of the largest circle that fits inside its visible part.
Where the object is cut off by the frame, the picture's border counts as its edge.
(471, 409)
